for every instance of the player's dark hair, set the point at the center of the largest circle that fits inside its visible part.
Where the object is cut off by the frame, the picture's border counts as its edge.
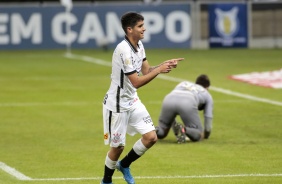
(130, 19)
(203, 80)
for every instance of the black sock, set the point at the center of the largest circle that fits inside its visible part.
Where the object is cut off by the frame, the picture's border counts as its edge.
(129, 158)
(108, 173)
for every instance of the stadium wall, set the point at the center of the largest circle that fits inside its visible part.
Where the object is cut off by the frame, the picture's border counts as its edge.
(177, 24)
(91, 26)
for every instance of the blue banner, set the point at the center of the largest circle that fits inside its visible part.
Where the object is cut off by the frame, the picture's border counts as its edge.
(92, 26)
(228, 25)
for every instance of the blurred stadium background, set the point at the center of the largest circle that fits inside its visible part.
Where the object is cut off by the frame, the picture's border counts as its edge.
(50, 101)
(264, 17)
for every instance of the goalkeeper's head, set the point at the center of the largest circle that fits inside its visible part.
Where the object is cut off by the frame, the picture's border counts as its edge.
(203, 80)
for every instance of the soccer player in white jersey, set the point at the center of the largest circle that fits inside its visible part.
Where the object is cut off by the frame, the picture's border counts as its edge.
(185, 100)
(123, 111)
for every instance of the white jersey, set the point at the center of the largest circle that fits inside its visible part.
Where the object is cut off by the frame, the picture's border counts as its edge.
(126, 60)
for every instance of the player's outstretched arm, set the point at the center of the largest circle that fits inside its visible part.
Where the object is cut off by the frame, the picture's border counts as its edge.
(148, 75)
(172, 63)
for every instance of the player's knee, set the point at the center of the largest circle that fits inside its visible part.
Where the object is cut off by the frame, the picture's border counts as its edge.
(119, 149)
(153, 139)
(150, 138)
(115, 152)
(161, 136)
(161, 133)
(195, 138)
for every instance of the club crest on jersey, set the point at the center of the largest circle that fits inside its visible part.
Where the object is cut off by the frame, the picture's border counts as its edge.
(116, 138)
(127, 62)
(227, 23)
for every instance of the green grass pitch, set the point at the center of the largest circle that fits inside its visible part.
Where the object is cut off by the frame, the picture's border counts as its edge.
(51, 119)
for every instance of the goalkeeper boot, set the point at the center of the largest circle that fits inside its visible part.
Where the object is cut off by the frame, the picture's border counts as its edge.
(182, 138)
(176, 128)
(126, 173)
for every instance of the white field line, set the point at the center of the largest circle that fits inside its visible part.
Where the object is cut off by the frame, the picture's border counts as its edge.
(88, 59)
(21, 176)
(72, 103)
(32, 104)
(167, 177)
(46, 78)
(174, 79)
(13, 172)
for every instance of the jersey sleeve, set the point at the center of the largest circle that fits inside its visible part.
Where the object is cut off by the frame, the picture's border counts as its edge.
(208, 110)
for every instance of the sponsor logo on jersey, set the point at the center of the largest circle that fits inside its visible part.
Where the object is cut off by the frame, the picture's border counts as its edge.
(106, 136)
(133, 101)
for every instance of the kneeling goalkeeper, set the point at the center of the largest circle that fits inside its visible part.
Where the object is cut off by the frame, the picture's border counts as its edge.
(185, 100)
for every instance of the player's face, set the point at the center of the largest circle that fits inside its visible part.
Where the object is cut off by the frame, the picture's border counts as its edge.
(138, 30)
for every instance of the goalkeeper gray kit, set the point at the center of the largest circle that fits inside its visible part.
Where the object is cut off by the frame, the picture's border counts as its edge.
(185, 100)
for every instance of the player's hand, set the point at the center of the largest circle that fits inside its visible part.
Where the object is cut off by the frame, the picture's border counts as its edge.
(165, 67)
(173, 62)
(207, 134)
(168, 65)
